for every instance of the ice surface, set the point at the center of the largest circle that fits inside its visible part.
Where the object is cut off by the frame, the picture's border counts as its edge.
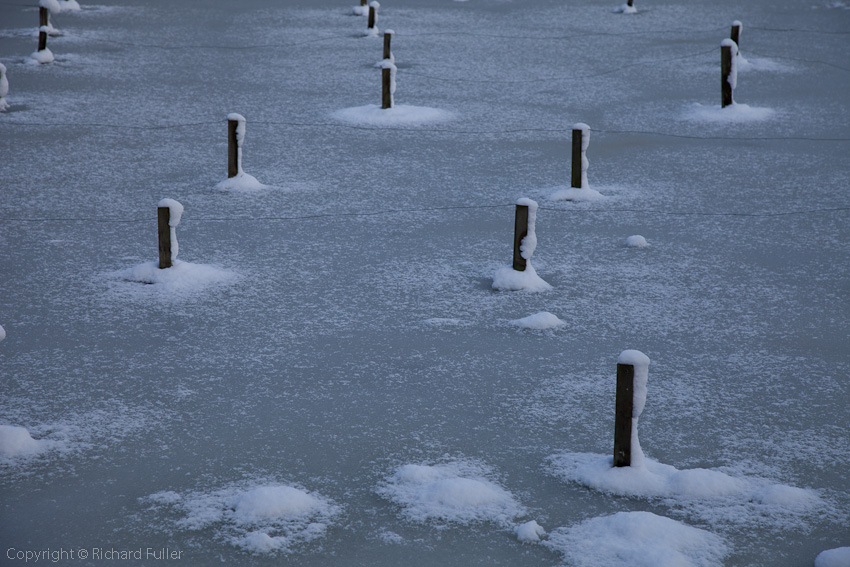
(539, 321)
(453, 492)
(638, 539)
(838, 557)
(636, 241)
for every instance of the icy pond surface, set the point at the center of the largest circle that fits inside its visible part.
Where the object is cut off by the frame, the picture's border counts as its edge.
(328, 376)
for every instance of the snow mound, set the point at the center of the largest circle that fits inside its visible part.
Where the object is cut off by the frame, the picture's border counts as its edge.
(241, 182)
(576, 194)
(16, 441)
(625, 9)
(508, 279)
(636, 241)
(539, 321)
(398, 115)
(637, 539)
(457, 491)
(181, 277)
(529, 532)
(267, 518)
(2, 333)
(709, 494)
(838, 557)
(735, 112)
(43, 56)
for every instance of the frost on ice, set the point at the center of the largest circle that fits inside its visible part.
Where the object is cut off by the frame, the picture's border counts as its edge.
(265, 518)
(454, 492)
(241, 181)
(637, 539)
(539, 321)
(508, 279)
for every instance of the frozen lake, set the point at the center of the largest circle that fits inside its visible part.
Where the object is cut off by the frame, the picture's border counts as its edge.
(332, 379)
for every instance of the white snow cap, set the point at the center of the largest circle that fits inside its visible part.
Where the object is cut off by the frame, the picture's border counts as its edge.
(539, 321)
(52, 5)
(641, 364)
(636, 241)
(739, 25)
(529, 532)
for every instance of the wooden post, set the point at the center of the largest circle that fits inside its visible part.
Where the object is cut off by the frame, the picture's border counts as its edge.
(726, 55)
(623, 417)
(232, 149)
(736, 32)
(163, 218)
(388, 36)
(43, 22)
(363, 2)
(520, 232)
(575, 177)
(386, 91)
(631, 3)
(371, 24)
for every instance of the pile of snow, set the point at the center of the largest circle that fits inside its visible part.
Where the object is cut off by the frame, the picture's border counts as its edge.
(4, 89)
(733, 113)
(636, 241)
(457, 491)
(43, 56)
(529, 532)
(839, 557)
(626, 9)
(508, 279)
(399, 115)
(687, 488)
(180, 277)
(637, 539)
(241, 181)
(2, 333)
(16, 441)
(262, 519)
(360, 10)
(539, 321)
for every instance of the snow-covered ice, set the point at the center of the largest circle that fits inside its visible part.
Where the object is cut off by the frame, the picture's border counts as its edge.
(16, 441)
(539, 321)
(636, 241)
(638, 539)
(838, 557)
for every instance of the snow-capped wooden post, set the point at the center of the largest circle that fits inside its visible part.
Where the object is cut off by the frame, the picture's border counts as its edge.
(388, 37)
(735, 35)
(168, 215)
(728, 71)
(630, 3)
(520, 232)
(43, 27)
(581, 140)
(373, 8)
(233, 145)
(632, 375)
(623, 416)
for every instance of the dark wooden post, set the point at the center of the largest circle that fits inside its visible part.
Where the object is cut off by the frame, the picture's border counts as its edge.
(736, 32)
(163, 218)
(362, 2)
(43, 23)
(631, 3)
(623, 417)
(575, 177)
(371, 24)
(388, 36)
(520, 232)
(386, 88)
(726, 55)
(232, 149)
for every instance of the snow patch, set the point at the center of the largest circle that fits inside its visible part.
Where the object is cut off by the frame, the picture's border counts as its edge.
(264, 518)
(576, 194)
(241, 182)
(508, 279)
(180, 277)
(637, 539)
(399, 115)
(456, 492)
(626, 9)
(636, 241)
(529, 532)
(838, 557)
(16, 441)
(43, 56)
(539, 321)
(733, 113)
